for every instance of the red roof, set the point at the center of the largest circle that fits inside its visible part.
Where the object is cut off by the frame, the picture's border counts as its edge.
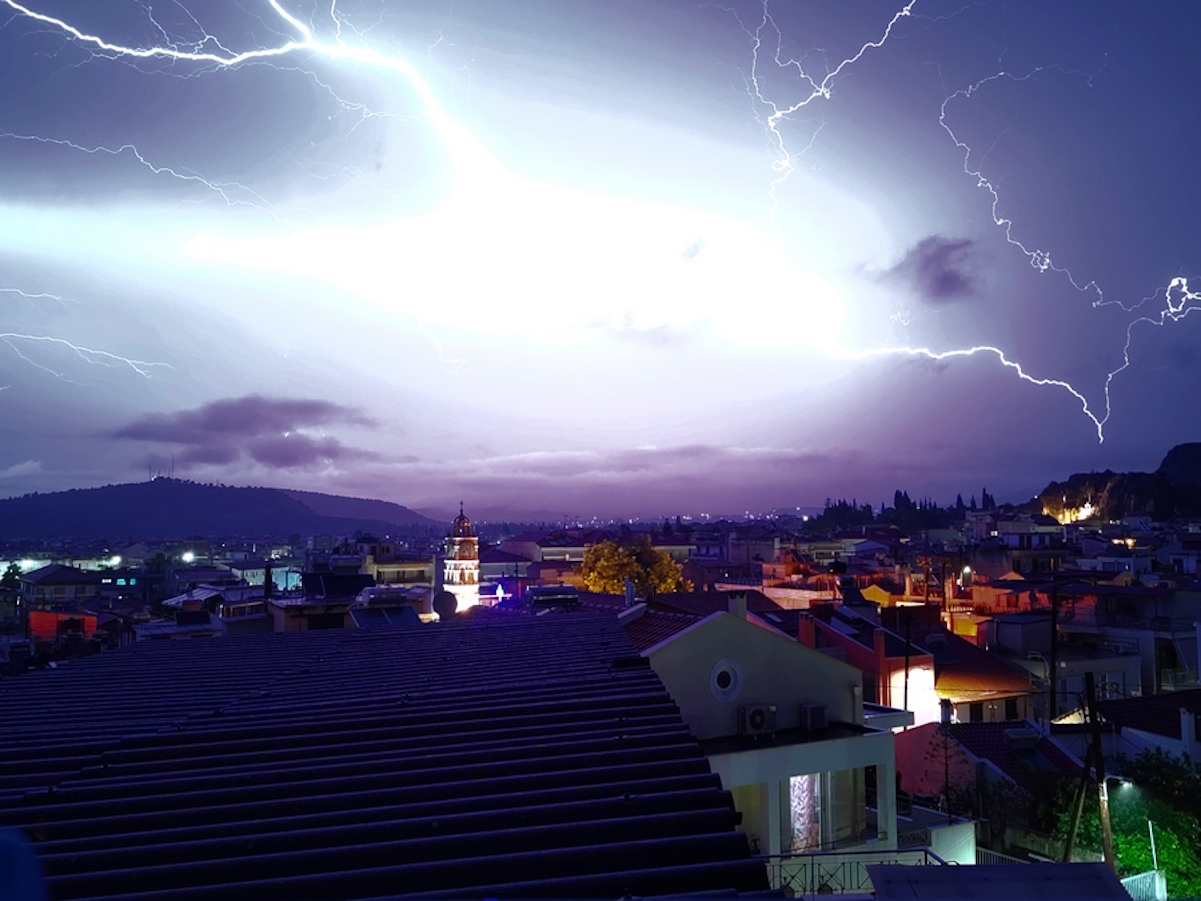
(987, 741)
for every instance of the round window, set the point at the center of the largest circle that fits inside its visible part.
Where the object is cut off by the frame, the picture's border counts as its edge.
(725, 680)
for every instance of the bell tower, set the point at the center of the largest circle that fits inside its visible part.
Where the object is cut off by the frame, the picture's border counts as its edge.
(461, 574)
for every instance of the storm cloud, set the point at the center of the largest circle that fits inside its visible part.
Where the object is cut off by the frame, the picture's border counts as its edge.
(938, 269)
(268, 431)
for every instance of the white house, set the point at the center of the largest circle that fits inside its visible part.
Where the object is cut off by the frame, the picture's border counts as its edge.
(783, 725)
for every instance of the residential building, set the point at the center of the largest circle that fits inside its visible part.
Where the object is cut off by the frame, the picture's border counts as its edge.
(57, 585)
(783, 725)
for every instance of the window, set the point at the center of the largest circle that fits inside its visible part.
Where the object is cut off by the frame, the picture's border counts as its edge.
(1011, 708)
(977, 713)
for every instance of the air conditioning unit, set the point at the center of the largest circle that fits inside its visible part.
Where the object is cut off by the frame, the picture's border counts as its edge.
(756, 719)
(813, 717)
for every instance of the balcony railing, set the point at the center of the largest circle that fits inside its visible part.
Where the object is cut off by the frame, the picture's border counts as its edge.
(1152, 886)
(837, 872)
(1101, 619)
(984, 855)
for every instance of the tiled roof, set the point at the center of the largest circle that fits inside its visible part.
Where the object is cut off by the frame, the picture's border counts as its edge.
(496, 756)
(496, 555)
(964, 672)
(57, 574)
(335, 585)
(1158, 714)
(987, 741)
(652, 627)
(702, 603)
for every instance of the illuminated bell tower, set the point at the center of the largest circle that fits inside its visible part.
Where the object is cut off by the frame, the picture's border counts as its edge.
(461, 575)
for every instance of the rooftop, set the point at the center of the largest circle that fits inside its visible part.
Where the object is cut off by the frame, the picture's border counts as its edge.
(501, 756)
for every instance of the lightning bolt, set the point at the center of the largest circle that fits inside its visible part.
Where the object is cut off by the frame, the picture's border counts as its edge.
(463, 148)
(467, 157)
(450, 364)
(470, 161)
(89, 355)
(224, 190)
(812, 88)
(1178, 299)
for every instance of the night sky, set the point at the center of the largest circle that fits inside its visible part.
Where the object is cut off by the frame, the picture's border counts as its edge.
(573, 258)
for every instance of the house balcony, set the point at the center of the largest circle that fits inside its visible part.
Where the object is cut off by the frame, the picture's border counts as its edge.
(807, 874)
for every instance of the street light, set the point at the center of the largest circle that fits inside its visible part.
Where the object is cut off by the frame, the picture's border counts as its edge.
(1154, 858)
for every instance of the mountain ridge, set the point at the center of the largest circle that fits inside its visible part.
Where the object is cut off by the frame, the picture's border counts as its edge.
(175, 508)
(1171, 491)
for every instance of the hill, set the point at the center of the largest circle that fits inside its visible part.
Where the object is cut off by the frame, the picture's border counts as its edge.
(173, 508)
(1173, 490)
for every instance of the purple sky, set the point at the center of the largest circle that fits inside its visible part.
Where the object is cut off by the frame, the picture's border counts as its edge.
(586, 258)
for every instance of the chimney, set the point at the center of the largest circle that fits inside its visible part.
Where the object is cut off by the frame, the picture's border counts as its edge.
(267, 582)
(629, 593)
(738, 603)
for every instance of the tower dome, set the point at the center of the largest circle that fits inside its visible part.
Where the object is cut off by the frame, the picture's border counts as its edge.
(461, 528)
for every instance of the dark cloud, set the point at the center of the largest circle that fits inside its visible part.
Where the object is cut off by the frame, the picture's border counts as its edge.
(262, 429)
(938, 269)
(239, 417)
(302, 450)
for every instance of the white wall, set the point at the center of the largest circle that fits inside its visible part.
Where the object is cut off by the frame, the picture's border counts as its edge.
(769, 668)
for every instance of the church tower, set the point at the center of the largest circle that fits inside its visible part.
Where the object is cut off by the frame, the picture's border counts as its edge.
(461, 575)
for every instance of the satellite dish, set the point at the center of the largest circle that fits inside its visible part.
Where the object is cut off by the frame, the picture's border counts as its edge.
(445, 604)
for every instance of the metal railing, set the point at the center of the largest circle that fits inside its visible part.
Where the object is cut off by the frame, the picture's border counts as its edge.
(914, 838)
(837, 872)
(985, 856)
(1152, 886)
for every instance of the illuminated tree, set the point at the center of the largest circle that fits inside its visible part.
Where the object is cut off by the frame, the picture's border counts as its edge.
(11, 578)
(607, 565)
(1130, 807)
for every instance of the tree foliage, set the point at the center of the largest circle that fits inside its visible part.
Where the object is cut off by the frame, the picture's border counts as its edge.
(11, 578)
(607, 565)
(1166, 791)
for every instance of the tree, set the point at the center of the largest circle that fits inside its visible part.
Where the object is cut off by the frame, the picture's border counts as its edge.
(607, 565)
(11, 578)
(1130, 807)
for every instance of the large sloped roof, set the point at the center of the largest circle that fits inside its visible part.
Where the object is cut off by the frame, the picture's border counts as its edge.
(498, 756)
(1158, 714)
(989, 741)
(57, 574)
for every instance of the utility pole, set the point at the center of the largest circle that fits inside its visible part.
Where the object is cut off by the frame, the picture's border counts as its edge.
(1077, 806)
(1099, 761)
(1054, 674)
(908, 633)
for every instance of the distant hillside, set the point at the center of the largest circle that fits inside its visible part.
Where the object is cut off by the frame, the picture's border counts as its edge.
(1182, 466)
(171, 508)
(1173, 490)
